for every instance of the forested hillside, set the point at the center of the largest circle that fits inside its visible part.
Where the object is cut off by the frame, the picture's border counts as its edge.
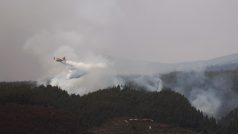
(213, 92)
(229, 124)
(86, 112)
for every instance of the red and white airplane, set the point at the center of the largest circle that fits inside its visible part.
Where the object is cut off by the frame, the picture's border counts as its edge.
(57, 59)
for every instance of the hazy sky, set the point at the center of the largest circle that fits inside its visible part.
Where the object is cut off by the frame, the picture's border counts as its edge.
(153, 30)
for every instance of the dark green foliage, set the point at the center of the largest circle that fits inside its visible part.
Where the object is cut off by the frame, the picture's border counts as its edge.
(34, 119)
(165, 106)
(98, 107)
(26, 93)
(229, 124)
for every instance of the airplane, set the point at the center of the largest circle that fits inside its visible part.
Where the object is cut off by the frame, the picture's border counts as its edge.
(74, 71)
(57, 59)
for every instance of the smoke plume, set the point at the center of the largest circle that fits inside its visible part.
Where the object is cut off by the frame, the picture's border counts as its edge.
(89, 71)
(89, 32)
(213, 93)
(82, 77)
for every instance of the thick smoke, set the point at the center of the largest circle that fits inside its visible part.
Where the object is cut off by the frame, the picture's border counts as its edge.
(92, 71)
(148, 82)
(84, 77)
(84, 70)
(213, 93)
(85, 30)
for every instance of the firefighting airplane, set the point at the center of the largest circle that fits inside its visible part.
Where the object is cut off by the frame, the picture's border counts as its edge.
(62, 60)
(74, 70)
(78, 69)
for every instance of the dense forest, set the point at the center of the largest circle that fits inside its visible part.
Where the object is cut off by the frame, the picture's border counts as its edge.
(27, 108)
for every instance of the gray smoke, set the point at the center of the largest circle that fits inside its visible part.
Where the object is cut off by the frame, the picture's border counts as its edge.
(88, 76)
(84, 71)
(214, 94)
(144, 82)
(150, 30)
(90, 31)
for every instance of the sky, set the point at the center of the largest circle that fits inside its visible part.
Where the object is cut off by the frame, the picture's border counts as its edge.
(170, 31)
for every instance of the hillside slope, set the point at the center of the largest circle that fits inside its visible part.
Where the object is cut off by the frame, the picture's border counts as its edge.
(33, 119)
(96, 108)
(138, 126)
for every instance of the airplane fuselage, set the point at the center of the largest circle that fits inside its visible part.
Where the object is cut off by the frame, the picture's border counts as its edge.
(60, 59)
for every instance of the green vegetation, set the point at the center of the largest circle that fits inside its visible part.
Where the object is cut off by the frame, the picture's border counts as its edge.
(94, 109)
(165, 106)
(32, 119)
(229, 124)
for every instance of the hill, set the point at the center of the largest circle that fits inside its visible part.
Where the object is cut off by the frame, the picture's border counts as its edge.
(213, 92)
(95, 109)
(29, 119)
(125, 66)
(229, 124)
(137, 126)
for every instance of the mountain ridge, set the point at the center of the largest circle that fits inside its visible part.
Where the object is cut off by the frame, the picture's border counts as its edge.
(125, 66)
